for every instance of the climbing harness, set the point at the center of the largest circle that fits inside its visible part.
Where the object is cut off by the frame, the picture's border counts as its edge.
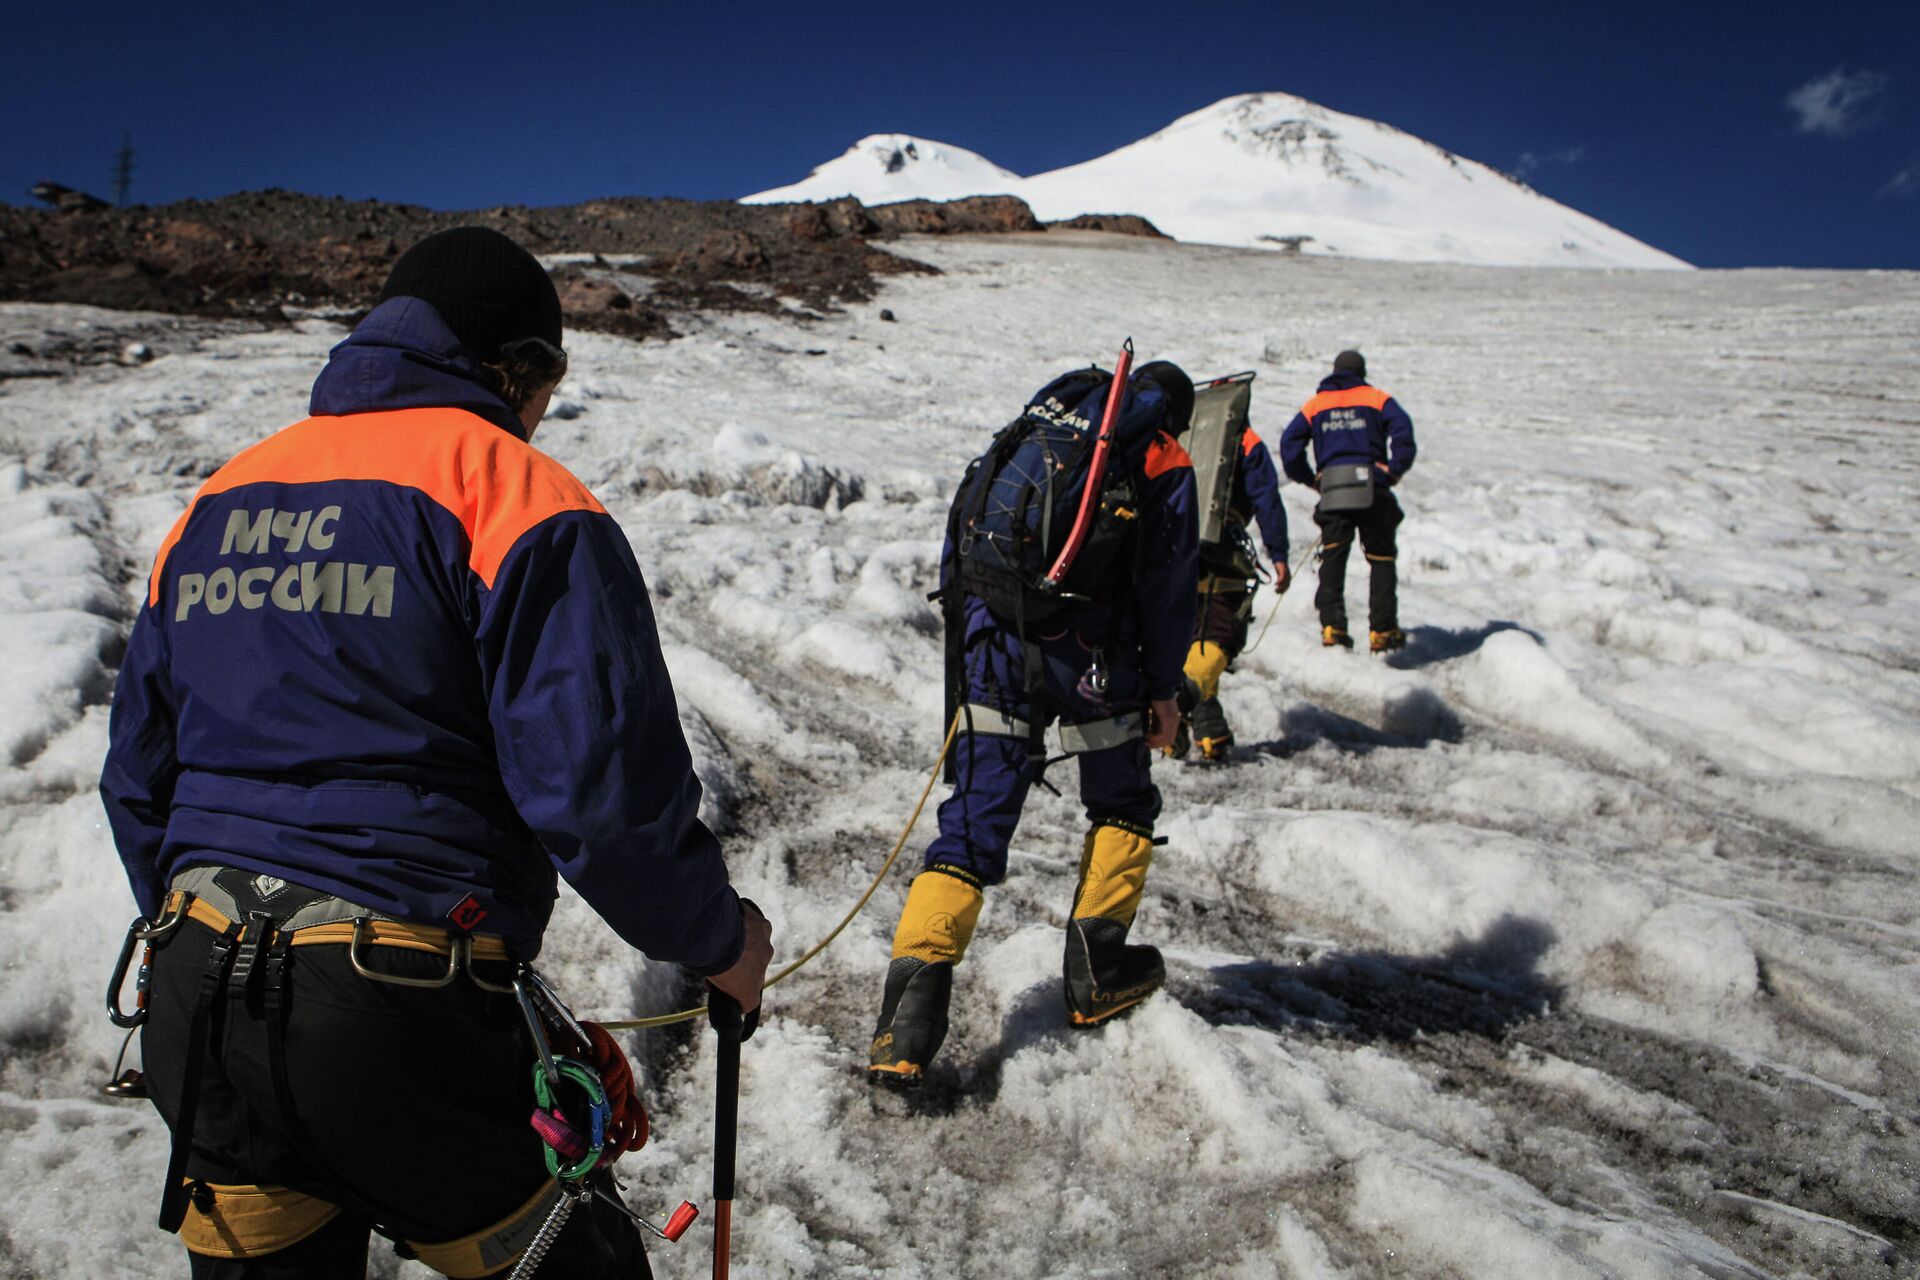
(687, 1015)
(573, 1151)
(585, 1113)
(1280, 595)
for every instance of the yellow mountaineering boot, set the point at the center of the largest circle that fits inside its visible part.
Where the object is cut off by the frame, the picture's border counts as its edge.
(1202, 723)
(1331, 636)
(1103, 975)
(1210, 731)
(935, 927)
(1206, 660)
(1386, 641)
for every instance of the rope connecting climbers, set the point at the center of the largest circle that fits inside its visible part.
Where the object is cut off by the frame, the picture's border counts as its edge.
(687, 1015)
(1280, 595)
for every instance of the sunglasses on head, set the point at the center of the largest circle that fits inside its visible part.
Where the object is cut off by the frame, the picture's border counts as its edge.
(539, 353)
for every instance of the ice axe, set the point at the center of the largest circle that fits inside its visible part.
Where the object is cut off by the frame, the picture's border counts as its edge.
(723, 1014)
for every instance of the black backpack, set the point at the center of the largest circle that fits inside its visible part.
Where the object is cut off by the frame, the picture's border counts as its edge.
(1017, 504)
(1019, 500)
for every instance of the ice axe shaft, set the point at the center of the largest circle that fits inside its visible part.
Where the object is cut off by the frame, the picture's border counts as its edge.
(723, 1012)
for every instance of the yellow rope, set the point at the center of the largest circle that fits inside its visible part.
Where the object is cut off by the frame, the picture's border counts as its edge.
(1280, 595)
(666, 1019)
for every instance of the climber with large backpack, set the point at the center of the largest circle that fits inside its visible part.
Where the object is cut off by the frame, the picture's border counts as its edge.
(1238, 492)
(1067, 588)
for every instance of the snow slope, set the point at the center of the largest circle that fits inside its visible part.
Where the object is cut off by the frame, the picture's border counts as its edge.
(1578, 940)
(1269, 170)
(883, 167)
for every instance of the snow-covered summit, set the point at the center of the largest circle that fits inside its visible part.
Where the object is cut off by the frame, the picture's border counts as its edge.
(1270, 170)
(1264, 168)
(884, 167)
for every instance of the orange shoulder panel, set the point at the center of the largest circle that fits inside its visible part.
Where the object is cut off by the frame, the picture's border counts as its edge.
(1351, 398)
(497, 485)
(1164, 455)
(1249, 441)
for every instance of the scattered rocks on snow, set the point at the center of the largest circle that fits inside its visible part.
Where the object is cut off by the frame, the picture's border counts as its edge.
(261, 254)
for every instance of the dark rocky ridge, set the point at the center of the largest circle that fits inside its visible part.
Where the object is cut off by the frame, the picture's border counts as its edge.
(257, 254)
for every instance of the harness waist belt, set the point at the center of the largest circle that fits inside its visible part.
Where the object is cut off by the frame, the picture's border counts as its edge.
(992, 722)
(1102, 735)
(1075, 739)
(329, 920)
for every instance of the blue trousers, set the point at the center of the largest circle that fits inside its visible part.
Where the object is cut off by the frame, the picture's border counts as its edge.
(993, 773)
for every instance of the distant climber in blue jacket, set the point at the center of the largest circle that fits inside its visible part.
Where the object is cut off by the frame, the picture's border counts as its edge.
(1362, 445)
(396, 668)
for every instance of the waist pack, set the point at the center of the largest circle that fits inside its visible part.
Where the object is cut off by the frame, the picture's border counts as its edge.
(1019, 500)
(1346, 487)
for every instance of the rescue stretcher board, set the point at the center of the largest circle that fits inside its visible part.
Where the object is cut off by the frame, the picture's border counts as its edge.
(1213, 442)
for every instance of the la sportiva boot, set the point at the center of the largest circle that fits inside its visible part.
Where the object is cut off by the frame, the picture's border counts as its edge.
(1386, 641)
(913, 1021)
(1210, 731)
(937, 923)
(1332, 636)
(1103, 975)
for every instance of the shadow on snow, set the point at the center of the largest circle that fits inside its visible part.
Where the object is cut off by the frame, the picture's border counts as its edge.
(1481, 986)
(1428, 645)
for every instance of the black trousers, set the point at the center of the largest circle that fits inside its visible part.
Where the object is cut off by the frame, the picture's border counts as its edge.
(410, 1108)
(1223, 617)
(1375, 526)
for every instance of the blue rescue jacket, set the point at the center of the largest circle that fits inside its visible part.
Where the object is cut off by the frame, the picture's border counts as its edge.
(396, 653)
(1256, 495)
(1348, 421)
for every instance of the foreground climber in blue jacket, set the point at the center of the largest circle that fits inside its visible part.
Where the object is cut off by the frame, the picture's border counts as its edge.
(395, 668)
(1362, 445)
(1108, 670)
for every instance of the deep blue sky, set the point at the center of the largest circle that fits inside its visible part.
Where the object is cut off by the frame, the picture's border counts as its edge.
(1670, 121)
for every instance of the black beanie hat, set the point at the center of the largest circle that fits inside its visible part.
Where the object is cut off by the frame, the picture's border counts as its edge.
(487, 288)
(1171, 379)
(1350, 362)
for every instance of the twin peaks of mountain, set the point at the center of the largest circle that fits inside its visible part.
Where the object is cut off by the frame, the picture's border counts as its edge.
(1263, 170)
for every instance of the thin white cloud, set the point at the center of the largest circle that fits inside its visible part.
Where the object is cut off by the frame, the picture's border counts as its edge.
(1840, 102)
(1904, 183)
(1531, 162)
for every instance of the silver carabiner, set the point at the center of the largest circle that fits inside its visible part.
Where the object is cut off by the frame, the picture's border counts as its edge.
(558, 1007)
(534, 1025)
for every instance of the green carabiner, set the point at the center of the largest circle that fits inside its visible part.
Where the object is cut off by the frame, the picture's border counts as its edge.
(597, 1110)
